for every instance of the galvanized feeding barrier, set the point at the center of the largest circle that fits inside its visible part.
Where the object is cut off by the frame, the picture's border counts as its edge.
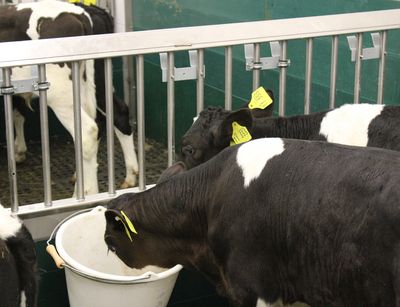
(166, 42)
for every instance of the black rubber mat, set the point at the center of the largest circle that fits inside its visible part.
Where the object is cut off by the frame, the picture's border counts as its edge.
(62, 160)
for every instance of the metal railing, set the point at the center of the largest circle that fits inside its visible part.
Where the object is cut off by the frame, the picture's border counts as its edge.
(138, 44)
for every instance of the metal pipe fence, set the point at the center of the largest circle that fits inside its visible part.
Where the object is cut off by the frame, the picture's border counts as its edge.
(138, 44)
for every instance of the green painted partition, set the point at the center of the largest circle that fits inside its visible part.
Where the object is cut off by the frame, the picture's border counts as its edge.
(155, 14)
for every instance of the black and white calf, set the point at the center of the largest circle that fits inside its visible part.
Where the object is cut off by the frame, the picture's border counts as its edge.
(50, 19)
(274, 218)
(360, 125)
(18, 270)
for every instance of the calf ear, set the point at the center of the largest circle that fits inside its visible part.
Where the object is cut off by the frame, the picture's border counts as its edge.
(113, 217)
(267, 112)
(174, 169)
(223, 133)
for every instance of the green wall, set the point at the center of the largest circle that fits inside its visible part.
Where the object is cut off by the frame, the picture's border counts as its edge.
(156, 14)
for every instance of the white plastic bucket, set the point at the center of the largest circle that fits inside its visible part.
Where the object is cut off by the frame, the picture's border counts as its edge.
(97, 278)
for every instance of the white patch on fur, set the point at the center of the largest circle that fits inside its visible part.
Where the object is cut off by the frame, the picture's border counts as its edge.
(254, 155)
(349, 124)
(23, 299)
(60, 99)
(130, 158)
(9, 225)
(48, 9)
(19, 143)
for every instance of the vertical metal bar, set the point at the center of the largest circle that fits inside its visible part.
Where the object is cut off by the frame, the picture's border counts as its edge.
(256, 69)
(357, 73)
(228, 78)
(282, 78)
(132, 93)
(129, 69)
(382, 63)
(140, 120)
(44, 132)
(171, 108)
(334, 61)
(127, 79)
(110, 125)
(200, 81)
(76, 90)
(308, 76)
(12, 167)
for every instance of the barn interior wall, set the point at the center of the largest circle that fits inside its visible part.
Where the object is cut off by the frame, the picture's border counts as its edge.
(155, 14)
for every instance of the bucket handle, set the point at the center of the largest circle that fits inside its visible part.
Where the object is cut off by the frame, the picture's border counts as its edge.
(51, 250)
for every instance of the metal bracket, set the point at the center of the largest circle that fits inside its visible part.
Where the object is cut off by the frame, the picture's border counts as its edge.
(41, 86)
(271, 62)
(181, 73)
(367, 53)
(24, 85)
(7, 90)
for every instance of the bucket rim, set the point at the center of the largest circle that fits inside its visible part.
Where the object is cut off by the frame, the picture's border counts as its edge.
(87, 272)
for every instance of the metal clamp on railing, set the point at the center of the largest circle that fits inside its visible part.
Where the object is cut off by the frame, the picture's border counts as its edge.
(7, 90)
(181, 73)
(41, 86)
(284, 63)
(23, 85)
(271, 62)
(367, 53)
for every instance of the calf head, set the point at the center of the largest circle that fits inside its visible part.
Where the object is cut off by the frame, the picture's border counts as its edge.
(139, 249)
(210, 133)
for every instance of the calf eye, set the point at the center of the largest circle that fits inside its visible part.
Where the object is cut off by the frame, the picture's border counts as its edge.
(188, 150)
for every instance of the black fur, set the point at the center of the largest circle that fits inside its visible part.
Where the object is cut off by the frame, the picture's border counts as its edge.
(213, 130)
(10, 293)
(18, 269)
(23, 250)
(319, 225)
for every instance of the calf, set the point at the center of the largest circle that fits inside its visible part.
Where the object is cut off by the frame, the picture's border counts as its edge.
(361, 125)
(274, 219)
(50, 19)
(18, 278)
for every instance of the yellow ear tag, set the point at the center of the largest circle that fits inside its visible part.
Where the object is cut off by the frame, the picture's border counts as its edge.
(128, 222)
(240, 134)
(125, 227)
(128, 226)
(259, 99)
(85, 2)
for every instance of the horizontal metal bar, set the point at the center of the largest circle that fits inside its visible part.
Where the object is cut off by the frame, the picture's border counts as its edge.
(68, 204)
(166, 40)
